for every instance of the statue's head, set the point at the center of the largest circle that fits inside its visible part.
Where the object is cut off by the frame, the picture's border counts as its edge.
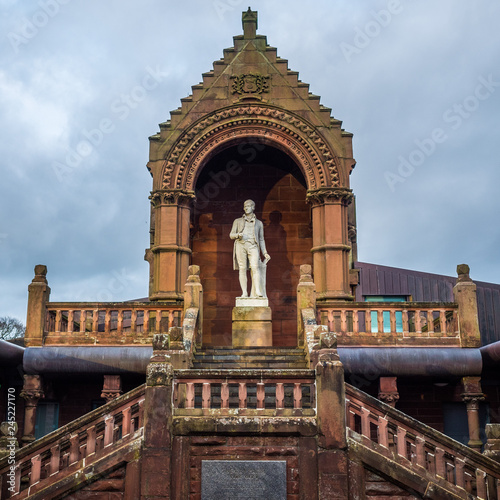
(249, 206)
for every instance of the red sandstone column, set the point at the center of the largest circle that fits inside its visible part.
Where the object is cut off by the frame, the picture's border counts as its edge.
(471, 396)
(32, 392)
(157, 447)
(38, 296)
(171, 247)
(331, 242)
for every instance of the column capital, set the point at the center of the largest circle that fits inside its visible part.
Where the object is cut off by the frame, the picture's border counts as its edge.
(162, 197)
(324, 195)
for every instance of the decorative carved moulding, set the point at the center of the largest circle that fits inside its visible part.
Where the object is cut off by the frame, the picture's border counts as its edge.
(324, 195)
(287, 130)
(171, 197)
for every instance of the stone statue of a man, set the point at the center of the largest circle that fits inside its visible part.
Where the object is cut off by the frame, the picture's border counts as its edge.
(248, 236)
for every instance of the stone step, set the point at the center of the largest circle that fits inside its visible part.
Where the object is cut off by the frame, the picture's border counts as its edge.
(251, 357)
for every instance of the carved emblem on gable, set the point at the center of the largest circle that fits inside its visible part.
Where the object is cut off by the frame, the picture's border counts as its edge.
(250, 83)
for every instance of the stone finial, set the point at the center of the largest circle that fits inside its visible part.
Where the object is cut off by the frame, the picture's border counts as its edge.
(249, 21)
(305, 273)
(194, 274)
(40, 274)
(463, 271)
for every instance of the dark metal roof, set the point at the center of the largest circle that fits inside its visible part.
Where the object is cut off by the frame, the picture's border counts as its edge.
(427, 287)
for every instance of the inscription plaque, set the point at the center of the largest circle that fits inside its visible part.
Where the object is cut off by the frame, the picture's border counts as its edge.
(243, 480)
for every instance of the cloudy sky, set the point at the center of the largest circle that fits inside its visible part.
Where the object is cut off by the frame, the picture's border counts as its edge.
(418, 83)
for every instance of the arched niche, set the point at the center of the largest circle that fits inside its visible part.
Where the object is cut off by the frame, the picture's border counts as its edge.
(236, 171)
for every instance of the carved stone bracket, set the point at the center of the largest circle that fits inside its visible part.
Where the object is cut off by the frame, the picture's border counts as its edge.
(266, 118)
(328, 195)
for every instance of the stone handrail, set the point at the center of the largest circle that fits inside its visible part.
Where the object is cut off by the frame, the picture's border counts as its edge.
(244, 392)
(91, 322)
(422, 448)
(81, 442)
(392, 322)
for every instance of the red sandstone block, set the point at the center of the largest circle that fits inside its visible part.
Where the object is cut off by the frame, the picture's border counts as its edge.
(195, 496)
(155, 484)
(293, 474)
(292, 487)
(332, 487)
(195, 487)
(246, 440)
(332, 462)
(281, 451)
(207, 440)
(293, 194)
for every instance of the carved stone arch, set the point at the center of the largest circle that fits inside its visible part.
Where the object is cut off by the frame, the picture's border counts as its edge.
(279, 128)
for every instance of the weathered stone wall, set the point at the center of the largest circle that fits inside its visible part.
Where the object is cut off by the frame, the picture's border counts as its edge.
(109, 487)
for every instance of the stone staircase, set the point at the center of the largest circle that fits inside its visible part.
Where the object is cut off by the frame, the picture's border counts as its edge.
(250, 357)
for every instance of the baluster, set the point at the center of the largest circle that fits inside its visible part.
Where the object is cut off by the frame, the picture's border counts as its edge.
(70, 320)
(430, 322)
(459, 472)
(17, 480)
(140, 416)
(440, 463)
(242, 395)
(83, 320)
(418, 325)
(58, 320)
(455, 322)
(36, 465)
(190, 395)
(343, 321)
(406, 325)
(368, 322)
(330, 320)
(355, 321)
(126, 421)
(95, 317)
(91, 440)
(392, 314)
(383, 432)
(420, 445)
(175, 396)
(401, 444)
(146, 321)
(55, 459)
(74, 449)
(107, 321)
(158, 321)
(297, 395)
(380, 321)
(205, 395)
(442, 322)
(261, 394)
(109, 424)
(481, 484)
(133, 321)
(280, 395)
(365, 422)
(224, 395)
(119, 321)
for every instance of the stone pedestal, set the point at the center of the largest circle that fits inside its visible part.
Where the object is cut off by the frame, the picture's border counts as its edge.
(252, 323)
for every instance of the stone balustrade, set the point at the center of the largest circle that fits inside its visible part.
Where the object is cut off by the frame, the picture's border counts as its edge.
(97, 322)
(411, 443)
(73, 446)
(392, 323)
(244, 392)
